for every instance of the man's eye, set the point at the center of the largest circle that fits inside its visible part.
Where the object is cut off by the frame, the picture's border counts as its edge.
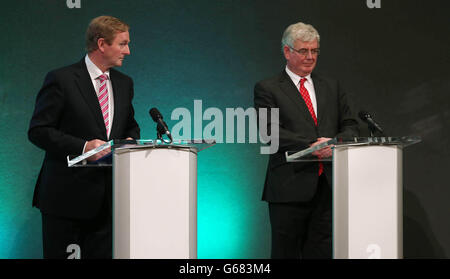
(303, 51)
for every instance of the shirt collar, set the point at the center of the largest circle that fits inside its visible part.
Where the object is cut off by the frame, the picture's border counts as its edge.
(94, 71)
(296, 78)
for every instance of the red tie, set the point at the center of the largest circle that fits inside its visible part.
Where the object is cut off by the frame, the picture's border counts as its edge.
(307, 99)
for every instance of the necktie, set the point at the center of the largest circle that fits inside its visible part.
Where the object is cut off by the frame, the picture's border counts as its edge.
(103, 99)
(305, 95)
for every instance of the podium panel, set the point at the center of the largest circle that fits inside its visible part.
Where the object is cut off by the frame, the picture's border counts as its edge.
(154, 195)
(367, 194)
(367, 202)
(155, 203)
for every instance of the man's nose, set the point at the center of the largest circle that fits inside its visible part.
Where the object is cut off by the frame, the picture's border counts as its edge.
(126, 50)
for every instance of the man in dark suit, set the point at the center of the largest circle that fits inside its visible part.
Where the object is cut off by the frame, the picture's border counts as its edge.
(79, 108)
(312, 110)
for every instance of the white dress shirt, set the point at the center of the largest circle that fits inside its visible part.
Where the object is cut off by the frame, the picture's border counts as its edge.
(95, 73)
(309, 85)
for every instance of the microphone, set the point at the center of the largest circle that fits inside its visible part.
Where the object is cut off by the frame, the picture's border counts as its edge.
(373, 126)
(161, 127)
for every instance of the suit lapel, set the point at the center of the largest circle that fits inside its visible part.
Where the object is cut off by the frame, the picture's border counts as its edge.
(87, 90)
(321, 97)
(117, 99)
(289, 88)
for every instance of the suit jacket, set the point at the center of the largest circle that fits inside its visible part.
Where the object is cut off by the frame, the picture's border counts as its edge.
(297, 182)
(66, 115)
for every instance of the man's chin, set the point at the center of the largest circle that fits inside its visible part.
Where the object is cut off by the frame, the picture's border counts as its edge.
(307, 70)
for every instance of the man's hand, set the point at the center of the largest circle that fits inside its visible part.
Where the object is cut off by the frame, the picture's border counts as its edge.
(92, 144)
(325, 152)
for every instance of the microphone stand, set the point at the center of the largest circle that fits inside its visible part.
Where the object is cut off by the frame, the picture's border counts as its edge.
(373, 130)
(160, 132)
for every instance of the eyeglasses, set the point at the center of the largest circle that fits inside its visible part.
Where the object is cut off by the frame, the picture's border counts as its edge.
(305, 51)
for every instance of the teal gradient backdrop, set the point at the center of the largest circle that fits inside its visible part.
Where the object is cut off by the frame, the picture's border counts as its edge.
(180, 52)
(215, 51)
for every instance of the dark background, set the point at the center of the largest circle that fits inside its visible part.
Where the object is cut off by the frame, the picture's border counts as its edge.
(394, 62)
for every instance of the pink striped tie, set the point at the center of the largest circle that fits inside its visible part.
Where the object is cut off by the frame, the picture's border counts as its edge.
(103, 99)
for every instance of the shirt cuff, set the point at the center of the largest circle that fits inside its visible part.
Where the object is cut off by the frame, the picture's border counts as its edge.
(84, 147)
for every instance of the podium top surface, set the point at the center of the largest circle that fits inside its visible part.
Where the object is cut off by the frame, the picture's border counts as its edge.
(305, 155)
(81, 161)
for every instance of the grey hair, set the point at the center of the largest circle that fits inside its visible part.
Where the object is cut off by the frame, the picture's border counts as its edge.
(299, 31)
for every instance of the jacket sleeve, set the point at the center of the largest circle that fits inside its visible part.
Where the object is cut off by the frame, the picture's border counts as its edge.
(132, 129)
(44, 129)
(288, 140)
(348, 126)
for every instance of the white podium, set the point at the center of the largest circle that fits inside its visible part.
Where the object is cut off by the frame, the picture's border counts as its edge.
(154, 198)
(367, 195)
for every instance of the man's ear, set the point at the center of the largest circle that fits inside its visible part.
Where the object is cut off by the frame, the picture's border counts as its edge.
(286, 52)
(101, 44)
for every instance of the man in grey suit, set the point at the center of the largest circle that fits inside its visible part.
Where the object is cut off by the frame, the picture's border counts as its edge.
(312, 110)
